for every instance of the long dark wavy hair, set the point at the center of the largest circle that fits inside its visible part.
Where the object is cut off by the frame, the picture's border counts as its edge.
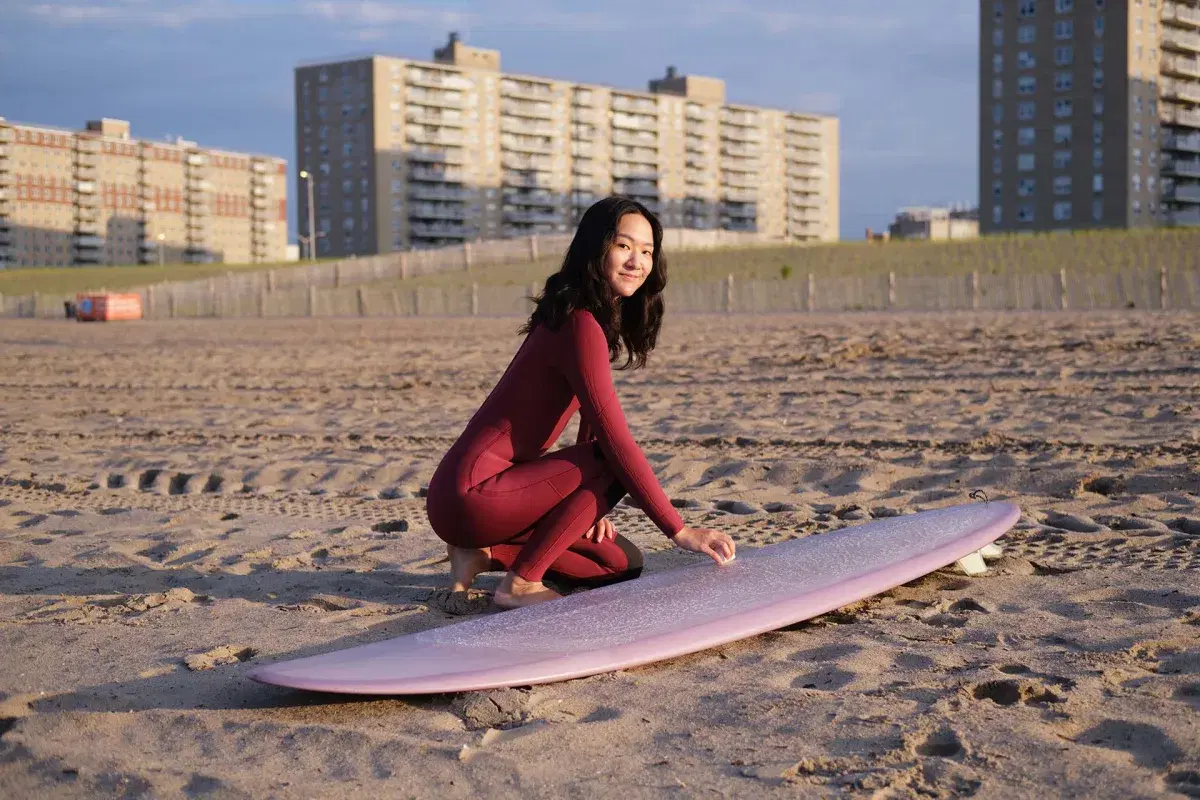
(580, 284)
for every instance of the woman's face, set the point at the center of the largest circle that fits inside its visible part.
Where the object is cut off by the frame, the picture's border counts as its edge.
(631, 257)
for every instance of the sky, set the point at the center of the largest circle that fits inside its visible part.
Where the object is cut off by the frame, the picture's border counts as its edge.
(901, 75)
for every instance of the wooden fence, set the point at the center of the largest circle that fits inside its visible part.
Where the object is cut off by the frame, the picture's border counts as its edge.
(259, 296)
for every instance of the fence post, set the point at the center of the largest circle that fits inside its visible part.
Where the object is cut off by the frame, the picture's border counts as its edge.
(362, 301)
(312, 301)
(262, 303)
(810, 301)
(404, 266)
(270, 280)
(171, 303)
(891, 290)
(467, 256)
(729, 294)
(533, 247)
(395, 303)
(337, 275)
(1062, 288)
(212, 298)
(474, 299)
(1162, 288)
(416, 293)
(1, 304)
(974, 290)
(36, 303)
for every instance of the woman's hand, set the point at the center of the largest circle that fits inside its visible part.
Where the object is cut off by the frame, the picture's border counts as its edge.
(716, 545)
(600, 531)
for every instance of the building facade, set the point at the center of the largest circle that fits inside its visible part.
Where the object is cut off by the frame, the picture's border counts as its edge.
(406, 153)
(935, 224)
(1089, 114)
(98, 196)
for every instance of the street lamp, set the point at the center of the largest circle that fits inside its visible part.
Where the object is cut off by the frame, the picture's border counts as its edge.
(311, 239)
(161, 239)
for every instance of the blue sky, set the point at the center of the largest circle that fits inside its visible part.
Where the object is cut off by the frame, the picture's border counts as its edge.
(901, 75)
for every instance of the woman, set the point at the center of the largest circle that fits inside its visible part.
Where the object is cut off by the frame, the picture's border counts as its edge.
(501, 501)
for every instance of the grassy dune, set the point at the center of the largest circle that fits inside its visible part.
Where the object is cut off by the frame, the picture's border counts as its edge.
(1094, 252)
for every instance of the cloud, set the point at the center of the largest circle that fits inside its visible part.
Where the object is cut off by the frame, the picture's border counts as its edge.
(164, 14)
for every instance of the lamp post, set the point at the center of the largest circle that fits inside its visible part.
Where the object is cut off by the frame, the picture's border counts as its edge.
(312, 234)
(161, 257)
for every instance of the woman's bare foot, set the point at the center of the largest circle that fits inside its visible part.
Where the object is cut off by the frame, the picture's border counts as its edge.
(465, 564)
(515, 592)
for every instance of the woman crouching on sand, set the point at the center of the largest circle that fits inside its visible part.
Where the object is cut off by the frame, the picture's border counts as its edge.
(499, 499)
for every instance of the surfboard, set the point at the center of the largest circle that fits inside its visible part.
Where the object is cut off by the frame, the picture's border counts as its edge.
(657, 616)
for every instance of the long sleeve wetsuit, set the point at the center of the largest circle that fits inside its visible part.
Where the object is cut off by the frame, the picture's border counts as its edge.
(499, 487)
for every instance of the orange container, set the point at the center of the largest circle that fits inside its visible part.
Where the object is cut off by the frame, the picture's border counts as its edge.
(107, 307)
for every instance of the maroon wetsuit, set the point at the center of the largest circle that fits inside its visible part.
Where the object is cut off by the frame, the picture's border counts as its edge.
(499, 487)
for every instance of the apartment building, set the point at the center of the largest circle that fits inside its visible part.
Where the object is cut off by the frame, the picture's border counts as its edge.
(404, 153)
(98, 196)
(1089, 114)
(935, 224)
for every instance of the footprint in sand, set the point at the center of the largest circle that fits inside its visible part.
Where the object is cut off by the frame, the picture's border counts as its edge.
(219, 656)
(1011, 692)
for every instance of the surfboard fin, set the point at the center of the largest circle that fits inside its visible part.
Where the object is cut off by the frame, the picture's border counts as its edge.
(972, 564)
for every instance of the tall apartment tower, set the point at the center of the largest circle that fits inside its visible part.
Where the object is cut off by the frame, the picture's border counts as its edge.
(98, 196)
(1089, 114)
(405, 153)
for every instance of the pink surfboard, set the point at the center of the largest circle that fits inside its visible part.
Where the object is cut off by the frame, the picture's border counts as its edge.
(658, 616)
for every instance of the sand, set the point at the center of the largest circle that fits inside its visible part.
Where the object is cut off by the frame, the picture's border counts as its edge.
(182, 501)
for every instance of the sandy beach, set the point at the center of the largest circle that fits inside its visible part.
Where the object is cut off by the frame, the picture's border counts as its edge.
(182, 501)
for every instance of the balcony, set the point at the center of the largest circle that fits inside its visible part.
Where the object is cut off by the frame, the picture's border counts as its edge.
(511, 160)
(1182, 217)
(531, 217)
(1188, 91)
(635, 138)
(523, 126)
(437, 79)
(635, 173)
(739, 224)
(418, 191)
(85, 187)
(739, 150)
(694, 144)
(739, 180)
(583, 97)
(87, 144)
(436, 230)
(1183, 66)
(1181, 166)
(739, 165)
(1187, 193)
(1175, 39)
(449, 156)
(526, 89)
(423, 115)
(741, 196)
(524, 108)
(635, 155)
(543, 199)
(1179, 116)
(1189, 143)
(434, 211)
(696, 113)
(1179, 14)
(88, 242)
(804, 200)
(88, 226)
(738, 210)
(802, 171)
(435, 98)
(523, 180)
(439, 138)
(803, 156)
(435, 175)
(258, 166)
(195, 160)
(528, 144)
(740, 134)
(585, 132)
(583, 150)
(638, 105)
(637, 122)
(635, 188)
(804, 127)
(696, 162)
(746, 119)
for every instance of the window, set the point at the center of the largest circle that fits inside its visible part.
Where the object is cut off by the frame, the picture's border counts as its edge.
(1137, 129)
(1098, 25)
(1062, 159)
(1097, 209)
(997, 114)
(997, 89)
(1025, 60)
(1064, 6)
(1097, 132)
(1064, 107)
(1097, 184)
(1026, 34)
(1150, 181)
(1062, 134)
(1025, 136)
(997, 138)
(998, 63)
(1025, 162)
(1027, 8)
(1100, 5)
(1098, 53)
(998, 37)
(1064, 55)
(1064, 29)
(1062, 210)
(1025, 213)
(1063, 81)
(1062, 184)
(998, 9)
(997, 165)
(1025, 187)
(1097, 157)
(1136, 182)
(1026, 84)
(1137, 206)
(1026, 110)
(997, 190)
(1098, 105)
(997, 215)
(1137, 156)
(1097, 78)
